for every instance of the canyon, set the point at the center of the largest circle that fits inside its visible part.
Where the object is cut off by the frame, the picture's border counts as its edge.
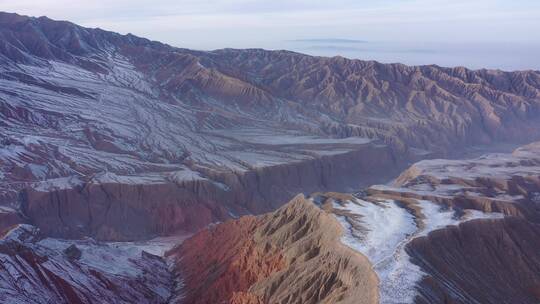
(118, 124)
(115, 148)
(445, 231)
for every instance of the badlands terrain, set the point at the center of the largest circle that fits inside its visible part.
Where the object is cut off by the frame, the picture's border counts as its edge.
(115, 148)
(445, 231)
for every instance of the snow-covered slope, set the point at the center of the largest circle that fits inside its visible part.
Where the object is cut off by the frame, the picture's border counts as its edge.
(81, 108)
(121, 138)
(37, 269)
(117, 123)
(381, 231)
(424, 237)
(502, 182)
(400, 226)
(76, 101)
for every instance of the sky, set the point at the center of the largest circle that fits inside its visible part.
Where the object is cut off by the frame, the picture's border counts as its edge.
(502, 34)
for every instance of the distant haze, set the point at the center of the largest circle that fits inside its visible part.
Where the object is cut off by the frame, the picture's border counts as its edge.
(474, 33)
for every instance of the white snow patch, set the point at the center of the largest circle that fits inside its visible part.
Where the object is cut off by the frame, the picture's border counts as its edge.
(508, 197)
(19, 232)
(387, 228)
(148, 279)
(118, 258)
(38, 171)
(5, 209)
(110, 177)
(437, 217)
(60, 183)
(185, 175)
(261, 136)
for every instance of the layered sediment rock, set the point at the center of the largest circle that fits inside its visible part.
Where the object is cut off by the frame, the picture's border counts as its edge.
(429, 107)
(140, 209)
(424, 239)
(292, 255)
(506, 183)
(476, 238)
(8, 218)
(121, 138)
(487, 261)
(77, 102)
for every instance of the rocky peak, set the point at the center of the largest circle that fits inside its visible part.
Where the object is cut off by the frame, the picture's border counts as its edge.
(294, 250)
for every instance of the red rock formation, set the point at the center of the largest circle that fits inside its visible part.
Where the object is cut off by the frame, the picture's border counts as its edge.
(290, 256)
(224, 261)
(492, 260)
(143, 108)
(402, 104)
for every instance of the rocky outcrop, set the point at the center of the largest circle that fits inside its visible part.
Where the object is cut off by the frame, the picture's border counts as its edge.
(424, 239)
(35, 269)
(505, 183)
(117, 211)
(495, 261)
(264, 125)
(469, 232)
(425, 106)
(9, 218)
(292, 255)
(120, 211)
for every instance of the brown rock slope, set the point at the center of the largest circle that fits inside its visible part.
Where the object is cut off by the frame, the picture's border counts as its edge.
(480, 261)
(486, 261)
(505, 183)
(449, 254)
(149, 209)
(8, 218)
(77, 102)
(292, 255)
(430, 107)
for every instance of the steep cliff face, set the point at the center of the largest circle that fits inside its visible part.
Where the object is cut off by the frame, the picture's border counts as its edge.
(292, 255)
(8, 218)
(78, 102)
(465, 231)
(120, 209)
(446, 232)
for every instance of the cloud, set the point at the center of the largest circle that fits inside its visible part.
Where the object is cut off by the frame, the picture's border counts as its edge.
(340, 49)
(329, 40)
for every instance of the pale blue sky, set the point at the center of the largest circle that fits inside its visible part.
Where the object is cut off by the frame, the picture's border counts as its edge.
(475, 33)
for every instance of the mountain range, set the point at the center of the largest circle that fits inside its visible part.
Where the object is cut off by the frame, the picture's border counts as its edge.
(110, 144)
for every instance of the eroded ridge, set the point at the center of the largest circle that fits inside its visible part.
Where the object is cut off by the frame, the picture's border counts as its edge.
(38, 269)
(381, 230)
